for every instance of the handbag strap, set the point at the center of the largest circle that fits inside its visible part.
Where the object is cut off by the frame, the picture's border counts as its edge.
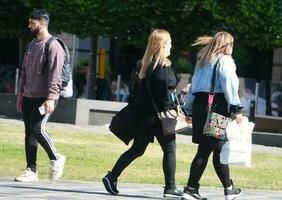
(211, 93)
(151, 96)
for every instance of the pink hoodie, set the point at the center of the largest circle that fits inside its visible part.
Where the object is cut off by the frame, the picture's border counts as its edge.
(33, 82)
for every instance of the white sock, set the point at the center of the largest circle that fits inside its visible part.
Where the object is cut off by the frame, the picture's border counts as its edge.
(190, 188)
(229, 188)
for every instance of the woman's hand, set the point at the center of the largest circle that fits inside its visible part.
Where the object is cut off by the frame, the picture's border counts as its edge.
(237, 117)
(188, 120)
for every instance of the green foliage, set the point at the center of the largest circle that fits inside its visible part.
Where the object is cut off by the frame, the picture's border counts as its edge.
(13, 17)
(80, 65)
(83, 65)
(183, 66)
(241, 57)
(255, 23)
(131, 21)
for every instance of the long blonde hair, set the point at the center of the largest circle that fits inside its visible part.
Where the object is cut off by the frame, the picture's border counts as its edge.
(213, 47)
(155, 51)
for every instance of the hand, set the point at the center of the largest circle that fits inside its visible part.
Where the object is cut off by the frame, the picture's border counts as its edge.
(188, 120)
(19, 102)
(49, 105)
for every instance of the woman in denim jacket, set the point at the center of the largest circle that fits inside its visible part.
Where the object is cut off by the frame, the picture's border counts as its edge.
(217, 49)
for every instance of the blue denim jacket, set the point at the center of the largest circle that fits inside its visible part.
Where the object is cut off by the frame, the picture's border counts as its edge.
(226, 82)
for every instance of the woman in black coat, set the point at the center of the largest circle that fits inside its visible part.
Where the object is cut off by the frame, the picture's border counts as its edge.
(142, 124)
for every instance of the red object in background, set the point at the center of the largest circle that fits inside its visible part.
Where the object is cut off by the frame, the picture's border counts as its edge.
(9, 88)
(185, 55)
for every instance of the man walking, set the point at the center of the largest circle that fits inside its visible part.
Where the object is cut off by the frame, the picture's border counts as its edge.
(40, 86)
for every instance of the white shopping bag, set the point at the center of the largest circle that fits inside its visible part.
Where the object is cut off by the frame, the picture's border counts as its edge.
(237, 150)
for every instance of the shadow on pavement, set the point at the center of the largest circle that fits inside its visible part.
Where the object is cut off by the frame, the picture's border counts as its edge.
(81, 192)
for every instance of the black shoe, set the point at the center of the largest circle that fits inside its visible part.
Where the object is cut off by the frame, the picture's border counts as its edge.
(189, 194)
(110, 184)
(175, 192)
(233, 193)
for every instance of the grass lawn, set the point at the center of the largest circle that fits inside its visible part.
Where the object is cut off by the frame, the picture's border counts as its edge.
(90, 156)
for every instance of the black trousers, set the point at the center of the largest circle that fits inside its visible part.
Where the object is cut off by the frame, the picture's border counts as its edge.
(207, 144)
(138, 148)
(200, 161)
(35, 131)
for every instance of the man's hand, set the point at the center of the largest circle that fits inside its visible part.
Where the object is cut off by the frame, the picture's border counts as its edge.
(19, 102)
(49, 105)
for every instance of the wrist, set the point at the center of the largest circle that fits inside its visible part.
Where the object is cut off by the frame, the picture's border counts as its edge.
(235, 109)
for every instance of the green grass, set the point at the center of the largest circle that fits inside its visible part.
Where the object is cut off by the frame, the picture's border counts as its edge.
(90, 156)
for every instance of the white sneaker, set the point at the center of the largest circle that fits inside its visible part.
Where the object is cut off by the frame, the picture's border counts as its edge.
(57, 167)
(27, 176)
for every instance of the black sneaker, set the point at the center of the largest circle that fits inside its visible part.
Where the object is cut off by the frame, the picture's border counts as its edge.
(189, 194)
(233, 193)
(175, 192)
(110, 184)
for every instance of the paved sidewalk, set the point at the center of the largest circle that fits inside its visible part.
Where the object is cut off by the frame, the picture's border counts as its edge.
(78, 190)
(10, 190)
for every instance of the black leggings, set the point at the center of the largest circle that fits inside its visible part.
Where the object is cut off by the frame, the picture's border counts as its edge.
(138, 148)
(35, 131)
(201, 159)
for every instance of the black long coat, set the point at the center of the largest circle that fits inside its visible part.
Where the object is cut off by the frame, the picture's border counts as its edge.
(138, 119)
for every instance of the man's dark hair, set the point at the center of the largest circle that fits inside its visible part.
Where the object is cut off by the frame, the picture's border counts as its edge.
(39, 14)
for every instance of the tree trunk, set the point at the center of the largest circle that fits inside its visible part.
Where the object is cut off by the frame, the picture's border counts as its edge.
(268, 110)
(23, 39)
(91, 80)
(117, 56)
(268, 65)
(21, 50)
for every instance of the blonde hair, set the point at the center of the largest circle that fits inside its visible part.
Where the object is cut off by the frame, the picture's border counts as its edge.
(213, 47)
(155, 51)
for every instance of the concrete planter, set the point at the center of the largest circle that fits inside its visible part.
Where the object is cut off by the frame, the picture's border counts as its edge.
(73, 111)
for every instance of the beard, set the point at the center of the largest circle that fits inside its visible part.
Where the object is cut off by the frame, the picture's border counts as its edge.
(34, 31)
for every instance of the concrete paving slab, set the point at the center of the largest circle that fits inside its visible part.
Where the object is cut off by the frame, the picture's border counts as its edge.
(80, 190)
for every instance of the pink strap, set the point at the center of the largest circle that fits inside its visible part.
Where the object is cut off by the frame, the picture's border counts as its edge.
(210, 99)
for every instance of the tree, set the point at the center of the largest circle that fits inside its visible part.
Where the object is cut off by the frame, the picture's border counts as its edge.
(12, 23)
(255, 23)
(257, 26)
(129, 21)
(132, 21)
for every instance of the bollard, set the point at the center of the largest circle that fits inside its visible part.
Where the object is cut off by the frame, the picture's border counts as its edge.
(252, 111)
